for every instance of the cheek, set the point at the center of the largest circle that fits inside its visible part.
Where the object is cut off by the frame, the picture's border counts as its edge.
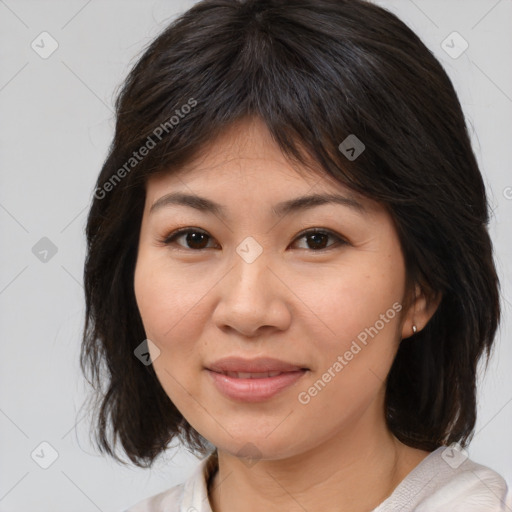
(168, 302)
(352, 299)
(355, 346)
(359, 308)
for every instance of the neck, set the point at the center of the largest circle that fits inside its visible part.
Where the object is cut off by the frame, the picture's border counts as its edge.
(351, 472)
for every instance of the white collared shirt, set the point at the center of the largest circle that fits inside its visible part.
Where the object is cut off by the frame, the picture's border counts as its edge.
(439, 483)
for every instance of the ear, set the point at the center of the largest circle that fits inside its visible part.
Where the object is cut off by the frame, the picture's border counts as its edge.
(421, 309)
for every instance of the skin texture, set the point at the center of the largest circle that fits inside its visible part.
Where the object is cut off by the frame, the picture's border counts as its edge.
(294, 302)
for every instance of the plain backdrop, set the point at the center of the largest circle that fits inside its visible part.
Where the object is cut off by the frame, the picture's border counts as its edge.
(56, 123)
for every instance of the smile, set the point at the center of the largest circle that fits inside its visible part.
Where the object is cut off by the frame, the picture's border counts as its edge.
(251, 375)
(254, 386)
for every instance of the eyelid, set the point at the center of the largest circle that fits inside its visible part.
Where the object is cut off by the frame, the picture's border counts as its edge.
(339, 239)
(168, 239)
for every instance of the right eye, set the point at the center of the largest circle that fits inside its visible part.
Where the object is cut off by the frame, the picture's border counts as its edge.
(195, 238)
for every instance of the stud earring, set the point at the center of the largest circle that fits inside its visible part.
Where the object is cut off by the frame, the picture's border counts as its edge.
(414, 329)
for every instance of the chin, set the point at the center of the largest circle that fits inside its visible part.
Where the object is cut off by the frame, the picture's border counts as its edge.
(253, 448)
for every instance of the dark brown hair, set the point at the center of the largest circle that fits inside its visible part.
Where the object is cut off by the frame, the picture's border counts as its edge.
(315, 71)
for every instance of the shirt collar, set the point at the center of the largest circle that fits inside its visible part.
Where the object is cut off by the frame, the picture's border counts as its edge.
(195, 492)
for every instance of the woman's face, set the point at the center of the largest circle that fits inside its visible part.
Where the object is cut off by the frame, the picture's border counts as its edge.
(250, 281)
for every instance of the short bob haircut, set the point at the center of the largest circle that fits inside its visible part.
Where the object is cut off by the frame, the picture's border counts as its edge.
(315, 71)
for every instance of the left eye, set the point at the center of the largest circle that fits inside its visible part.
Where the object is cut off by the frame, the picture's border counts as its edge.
(197, 239)
(318, 237)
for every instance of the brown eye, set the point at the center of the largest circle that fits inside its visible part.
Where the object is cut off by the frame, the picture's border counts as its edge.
(317, 239)
(194, 239)
(197, 240)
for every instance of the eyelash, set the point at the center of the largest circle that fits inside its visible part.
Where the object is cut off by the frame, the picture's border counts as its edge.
(339, 241)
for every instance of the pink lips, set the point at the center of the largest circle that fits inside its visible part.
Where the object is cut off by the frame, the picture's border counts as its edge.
(253, 380)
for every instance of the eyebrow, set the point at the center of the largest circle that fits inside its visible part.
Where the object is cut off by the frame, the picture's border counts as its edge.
(297, 204)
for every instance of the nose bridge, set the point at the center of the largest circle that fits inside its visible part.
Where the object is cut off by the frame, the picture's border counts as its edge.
(250, 297)
(251, 266)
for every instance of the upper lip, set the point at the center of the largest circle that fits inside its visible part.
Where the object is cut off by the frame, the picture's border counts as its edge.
(256, 365)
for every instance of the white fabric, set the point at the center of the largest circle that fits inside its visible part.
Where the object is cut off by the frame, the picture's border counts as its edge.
(432, 486)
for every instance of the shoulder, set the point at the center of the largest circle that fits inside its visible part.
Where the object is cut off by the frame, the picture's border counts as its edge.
(472, 489)
(468, 488)
(447, 480)
(168, 501)
(189, 495)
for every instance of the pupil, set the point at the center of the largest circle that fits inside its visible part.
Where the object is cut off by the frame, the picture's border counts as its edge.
(314, 236)
(193, 238)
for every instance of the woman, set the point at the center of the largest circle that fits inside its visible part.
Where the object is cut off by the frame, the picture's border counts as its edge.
(289, 267)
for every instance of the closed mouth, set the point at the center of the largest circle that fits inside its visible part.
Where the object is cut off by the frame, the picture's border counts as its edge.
(253, 375)
(255, 368)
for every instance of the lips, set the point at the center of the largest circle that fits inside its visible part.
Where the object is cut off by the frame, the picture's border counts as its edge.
(253, 367)
(253, 380)
(252, 375)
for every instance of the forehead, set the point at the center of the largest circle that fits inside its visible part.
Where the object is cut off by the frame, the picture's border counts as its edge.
(244, 156)
(244, 146)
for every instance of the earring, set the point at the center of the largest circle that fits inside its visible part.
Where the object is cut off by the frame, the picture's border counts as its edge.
(414, 329)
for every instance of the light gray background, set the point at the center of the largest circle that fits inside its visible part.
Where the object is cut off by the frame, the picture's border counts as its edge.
(56, 125)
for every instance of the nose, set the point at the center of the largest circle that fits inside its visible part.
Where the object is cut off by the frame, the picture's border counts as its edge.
(253, 299)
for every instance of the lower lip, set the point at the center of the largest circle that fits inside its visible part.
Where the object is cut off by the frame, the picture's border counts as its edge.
(254, 390)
